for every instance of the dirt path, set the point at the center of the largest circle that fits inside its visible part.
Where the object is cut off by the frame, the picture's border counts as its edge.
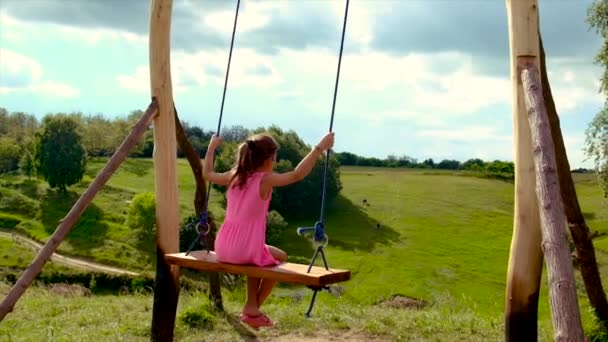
(64, 260)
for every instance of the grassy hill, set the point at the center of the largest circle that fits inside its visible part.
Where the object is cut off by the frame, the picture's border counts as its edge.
(439, 236)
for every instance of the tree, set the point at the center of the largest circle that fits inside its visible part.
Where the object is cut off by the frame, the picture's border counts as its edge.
(448, 164)
(96, 132)
(347, 158)
(596, 146)
(474, 164)
(429, 163)
(60, 157)
(407, 161)
(236, 133)
(9, 154)
(498, 166)
(596, 143)
(26, 164)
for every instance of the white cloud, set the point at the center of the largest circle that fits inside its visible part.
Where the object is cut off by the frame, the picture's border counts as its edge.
(361, 19)
(21, 29)
(424, 85)
(56, 89)
(467, 134)
(20, 73)
(138, 81)
(98, 36)
(197, 69)
(252, 16)
(574, 148)
(574, 83)
(17, 71)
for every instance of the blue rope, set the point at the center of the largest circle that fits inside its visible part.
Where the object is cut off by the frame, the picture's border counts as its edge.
(204, 217)
(219, 121)
(320, 226)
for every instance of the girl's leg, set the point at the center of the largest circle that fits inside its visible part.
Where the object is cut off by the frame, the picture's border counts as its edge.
(266, 285)
(251, 307)
(265, 289)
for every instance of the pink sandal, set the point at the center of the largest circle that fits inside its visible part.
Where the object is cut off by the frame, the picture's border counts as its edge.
(256, 322)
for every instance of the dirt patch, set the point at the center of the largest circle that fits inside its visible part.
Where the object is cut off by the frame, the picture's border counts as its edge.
(323, 336)
(404, 302)
(68, 290)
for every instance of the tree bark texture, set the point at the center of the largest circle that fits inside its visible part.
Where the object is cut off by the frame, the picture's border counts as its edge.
(562, 290)
(576, 221)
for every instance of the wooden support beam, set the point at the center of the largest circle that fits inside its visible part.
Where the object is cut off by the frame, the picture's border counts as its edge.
(525, 261)
(79, 207)
(165, 149)
(562, 289)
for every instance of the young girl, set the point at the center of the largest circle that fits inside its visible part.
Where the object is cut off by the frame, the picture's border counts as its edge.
(242, 237)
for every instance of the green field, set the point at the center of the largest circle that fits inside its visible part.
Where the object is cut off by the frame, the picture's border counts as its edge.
(442, 237)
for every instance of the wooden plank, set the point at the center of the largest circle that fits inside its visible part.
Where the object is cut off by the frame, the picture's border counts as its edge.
(285, 272)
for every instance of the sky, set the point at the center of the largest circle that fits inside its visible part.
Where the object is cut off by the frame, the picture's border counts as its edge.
(422, 78)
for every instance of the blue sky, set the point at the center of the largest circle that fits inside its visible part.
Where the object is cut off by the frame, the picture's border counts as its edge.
(423, 78)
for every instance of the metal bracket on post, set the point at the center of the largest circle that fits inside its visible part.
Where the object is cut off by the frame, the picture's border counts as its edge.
(203, 228)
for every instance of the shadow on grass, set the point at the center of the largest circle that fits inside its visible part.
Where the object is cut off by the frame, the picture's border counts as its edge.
(88, 232)
(348, 227)
(239, 327)
(138, 167)
(29, 187)
(589, 216)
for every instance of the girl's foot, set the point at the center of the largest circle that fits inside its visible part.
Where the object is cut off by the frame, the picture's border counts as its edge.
(251, 311)
(256, 321)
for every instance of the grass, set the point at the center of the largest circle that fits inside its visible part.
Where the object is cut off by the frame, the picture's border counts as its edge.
(441, 236)
(79, 318)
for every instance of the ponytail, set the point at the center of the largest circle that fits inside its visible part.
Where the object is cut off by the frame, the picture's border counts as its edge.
(244, 166)
(250, 156)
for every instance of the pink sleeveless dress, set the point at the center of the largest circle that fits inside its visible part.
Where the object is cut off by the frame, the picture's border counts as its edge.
(242, 237)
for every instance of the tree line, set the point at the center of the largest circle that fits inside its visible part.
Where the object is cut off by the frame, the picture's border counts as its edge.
(98, 136)
(473, 164)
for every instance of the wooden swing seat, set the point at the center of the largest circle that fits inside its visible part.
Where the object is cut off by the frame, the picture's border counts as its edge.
(285, 272)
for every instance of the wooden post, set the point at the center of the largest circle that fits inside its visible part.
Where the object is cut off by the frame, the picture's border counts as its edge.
(562, 289)
(525, 261)
(78, 208)
(165, 158)
(581, 236)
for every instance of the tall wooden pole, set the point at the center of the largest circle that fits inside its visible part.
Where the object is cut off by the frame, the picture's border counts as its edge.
(525, 261)
(562, 289)
(165, 149)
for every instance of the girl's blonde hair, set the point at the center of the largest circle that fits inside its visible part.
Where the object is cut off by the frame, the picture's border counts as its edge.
(251, 155)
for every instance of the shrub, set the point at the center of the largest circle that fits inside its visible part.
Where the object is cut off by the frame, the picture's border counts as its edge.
(9, 155)
(275, 227)
(8, 221)
(142, 214)
(198, 318)
(15, 202)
